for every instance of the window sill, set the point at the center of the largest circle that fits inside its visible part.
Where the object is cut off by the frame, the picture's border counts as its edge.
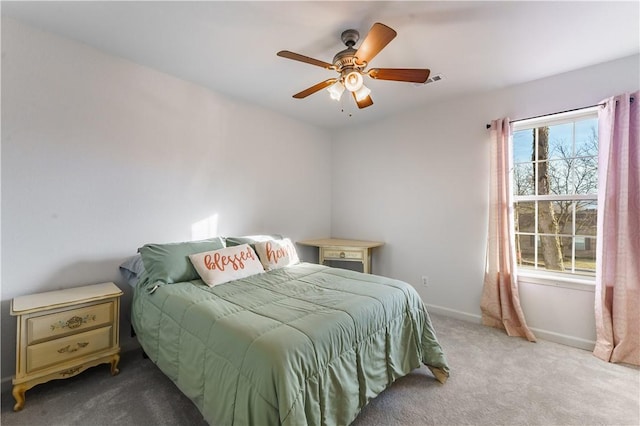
(554, 280)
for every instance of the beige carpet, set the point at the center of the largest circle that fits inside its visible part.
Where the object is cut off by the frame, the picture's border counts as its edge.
(496, 380)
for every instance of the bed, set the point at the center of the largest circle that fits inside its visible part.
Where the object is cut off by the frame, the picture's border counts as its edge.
(301, 344)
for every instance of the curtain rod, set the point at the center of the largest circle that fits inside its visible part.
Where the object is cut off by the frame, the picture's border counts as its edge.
(560, 112)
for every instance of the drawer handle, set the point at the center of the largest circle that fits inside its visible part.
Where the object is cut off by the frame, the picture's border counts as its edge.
(342, 255)
(73, 322)
(69, 349)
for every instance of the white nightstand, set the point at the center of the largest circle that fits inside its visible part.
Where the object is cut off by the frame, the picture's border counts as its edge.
(62, 333)
(344, 250)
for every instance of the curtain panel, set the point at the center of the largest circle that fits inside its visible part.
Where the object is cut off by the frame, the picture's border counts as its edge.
(617, 298)
(500, 303)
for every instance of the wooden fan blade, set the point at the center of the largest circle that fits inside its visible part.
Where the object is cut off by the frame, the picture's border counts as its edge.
(313, 89)
(305, 59)
(366, 102)
(379, 36)
(411, 75)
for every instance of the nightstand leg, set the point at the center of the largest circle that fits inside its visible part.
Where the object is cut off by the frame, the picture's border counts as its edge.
(18, 394)
(114, 364)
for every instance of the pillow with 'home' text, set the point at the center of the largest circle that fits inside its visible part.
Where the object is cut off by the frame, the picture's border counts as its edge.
(227, 264)
(275, 254)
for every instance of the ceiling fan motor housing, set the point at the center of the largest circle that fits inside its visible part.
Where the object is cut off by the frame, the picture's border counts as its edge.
(345, 60)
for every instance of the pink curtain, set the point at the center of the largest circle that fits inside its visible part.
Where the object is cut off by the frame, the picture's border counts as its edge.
(617, 304)
(500, 303)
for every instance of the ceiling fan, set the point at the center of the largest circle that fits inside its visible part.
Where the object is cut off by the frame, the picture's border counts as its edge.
(350, 64)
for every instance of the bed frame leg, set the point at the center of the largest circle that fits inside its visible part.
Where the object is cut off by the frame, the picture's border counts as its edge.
(133, 334)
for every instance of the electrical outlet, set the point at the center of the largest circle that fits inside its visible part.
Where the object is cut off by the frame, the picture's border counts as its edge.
(425, 281)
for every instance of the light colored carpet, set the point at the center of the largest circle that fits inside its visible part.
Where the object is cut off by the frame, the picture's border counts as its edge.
(495, 380)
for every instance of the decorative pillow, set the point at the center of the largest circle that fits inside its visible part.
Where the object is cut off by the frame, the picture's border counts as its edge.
(169, 263)
(275, 254)
(227, 264)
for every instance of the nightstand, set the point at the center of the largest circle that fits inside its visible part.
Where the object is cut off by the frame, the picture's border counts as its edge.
(62, 333)
(344, 250)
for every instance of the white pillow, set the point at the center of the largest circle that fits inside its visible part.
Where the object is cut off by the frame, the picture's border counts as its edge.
(275, 254)
(227, 264)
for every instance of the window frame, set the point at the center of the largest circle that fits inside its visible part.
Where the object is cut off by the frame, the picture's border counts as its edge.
(540, 275)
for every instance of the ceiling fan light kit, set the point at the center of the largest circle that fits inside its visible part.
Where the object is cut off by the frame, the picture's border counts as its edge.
(362, 93)
(350, 64)
(353, 81)
(336, 90)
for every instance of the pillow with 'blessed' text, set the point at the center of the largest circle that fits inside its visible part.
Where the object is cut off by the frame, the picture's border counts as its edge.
(275, 254)
(227, 264)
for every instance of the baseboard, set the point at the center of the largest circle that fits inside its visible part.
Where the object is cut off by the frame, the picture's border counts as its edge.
(564, 339)
(551, 336)
(453, 313)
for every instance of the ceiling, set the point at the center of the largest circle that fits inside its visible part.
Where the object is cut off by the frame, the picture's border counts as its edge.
(230, 47)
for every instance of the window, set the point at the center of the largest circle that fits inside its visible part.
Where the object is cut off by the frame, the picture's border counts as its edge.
(555, 185)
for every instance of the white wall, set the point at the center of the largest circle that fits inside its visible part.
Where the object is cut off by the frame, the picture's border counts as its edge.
(100, 156)
(419, 182)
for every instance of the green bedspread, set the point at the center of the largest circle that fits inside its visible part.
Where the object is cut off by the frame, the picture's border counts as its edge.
(306, 344)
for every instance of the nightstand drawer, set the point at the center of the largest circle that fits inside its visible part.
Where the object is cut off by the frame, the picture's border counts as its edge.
(332, 254)
(72, 321)
(59, 350)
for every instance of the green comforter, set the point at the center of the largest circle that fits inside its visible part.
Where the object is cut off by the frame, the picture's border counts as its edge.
(306, 344)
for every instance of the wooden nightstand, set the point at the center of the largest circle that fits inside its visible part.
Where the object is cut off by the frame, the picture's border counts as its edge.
(62, 333)
(344, 250)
